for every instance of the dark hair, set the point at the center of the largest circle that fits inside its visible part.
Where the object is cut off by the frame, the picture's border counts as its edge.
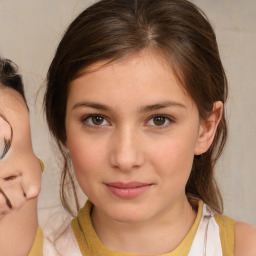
(9, 77)
(113, 29)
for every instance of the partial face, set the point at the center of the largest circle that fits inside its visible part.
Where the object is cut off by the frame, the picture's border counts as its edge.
(16, 153)
(132, 132)
(14, 123)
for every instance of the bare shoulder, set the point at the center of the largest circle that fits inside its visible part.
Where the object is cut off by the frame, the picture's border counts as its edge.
(245, 239)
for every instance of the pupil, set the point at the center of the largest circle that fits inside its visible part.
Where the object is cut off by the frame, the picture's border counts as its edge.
(97, 120)
(158, 120)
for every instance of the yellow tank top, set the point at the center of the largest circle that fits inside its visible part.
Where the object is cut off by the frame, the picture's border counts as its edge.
(90, 245)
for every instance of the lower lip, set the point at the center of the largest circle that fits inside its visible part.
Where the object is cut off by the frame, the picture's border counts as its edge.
(128, 192)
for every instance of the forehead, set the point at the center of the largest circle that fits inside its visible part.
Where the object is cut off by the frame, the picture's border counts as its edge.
(142, 77)
(147, 56)
(10, 99)
(13, 109)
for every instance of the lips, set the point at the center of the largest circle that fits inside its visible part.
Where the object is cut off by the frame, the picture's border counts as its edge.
(128, 190)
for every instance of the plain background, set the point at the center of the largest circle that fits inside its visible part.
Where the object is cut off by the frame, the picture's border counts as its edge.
(30, 31)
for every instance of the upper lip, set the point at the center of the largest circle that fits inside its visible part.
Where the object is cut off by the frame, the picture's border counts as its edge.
(126, 185)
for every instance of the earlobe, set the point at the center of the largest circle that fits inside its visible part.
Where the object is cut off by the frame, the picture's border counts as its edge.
(208, 129)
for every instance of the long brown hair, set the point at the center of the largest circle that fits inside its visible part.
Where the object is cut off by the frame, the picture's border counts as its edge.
(113, 29)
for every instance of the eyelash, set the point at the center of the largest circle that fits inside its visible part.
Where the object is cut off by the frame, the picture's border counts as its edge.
(7, 146)
(166, 117)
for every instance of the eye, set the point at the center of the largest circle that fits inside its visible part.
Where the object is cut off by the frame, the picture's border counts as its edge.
(159, 120)
(95, 120)
(5, 148)
(6, 134)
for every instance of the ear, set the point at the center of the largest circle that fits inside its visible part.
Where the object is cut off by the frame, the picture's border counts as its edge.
(208, 129)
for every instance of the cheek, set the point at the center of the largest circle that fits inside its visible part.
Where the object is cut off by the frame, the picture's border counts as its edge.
(87, 157)
(174, 158)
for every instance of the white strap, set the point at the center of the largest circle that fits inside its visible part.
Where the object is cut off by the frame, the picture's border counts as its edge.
(207, 239)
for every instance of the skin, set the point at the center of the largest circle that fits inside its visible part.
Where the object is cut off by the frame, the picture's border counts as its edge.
(129, 145)
(20, 175)
(245, 237)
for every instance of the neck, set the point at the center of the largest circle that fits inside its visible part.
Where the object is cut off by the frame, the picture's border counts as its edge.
(158, 235)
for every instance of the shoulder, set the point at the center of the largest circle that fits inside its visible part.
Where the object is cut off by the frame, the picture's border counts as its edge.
(227, 229)
(227, 233)
(245, 239)
(237, 236)
(224, 221)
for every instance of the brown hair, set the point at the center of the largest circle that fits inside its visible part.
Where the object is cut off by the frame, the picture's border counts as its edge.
(113, 29)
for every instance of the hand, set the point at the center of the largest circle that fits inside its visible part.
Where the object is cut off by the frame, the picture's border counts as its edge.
(19, 182)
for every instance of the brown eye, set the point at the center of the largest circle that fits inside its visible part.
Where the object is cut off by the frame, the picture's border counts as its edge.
(97, 120)
(159, 120)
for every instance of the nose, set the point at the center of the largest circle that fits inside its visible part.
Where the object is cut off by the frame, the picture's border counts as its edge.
(126, 150)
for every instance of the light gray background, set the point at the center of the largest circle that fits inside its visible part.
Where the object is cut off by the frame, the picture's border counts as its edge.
(30, 31)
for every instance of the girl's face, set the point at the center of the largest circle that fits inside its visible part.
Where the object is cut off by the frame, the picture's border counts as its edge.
(132, 132)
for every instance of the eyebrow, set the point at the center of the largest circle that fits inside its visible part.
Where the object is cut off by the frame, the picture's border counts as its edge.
(142, 109)
(165, 104)
(91, 105)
